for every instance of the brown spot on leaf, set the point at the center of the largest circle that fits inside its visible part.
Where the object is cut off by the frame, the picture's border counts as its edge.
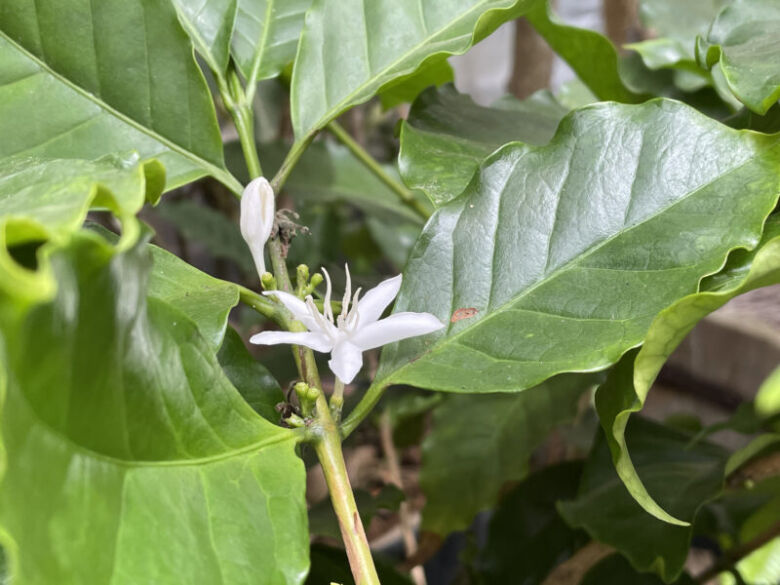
(461, 314)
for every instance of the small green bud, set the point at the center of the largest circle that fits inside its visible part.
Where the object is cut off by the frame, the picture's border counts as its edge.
(316, 280)
(302, 390)
(302, 276)
(268, 281)
(307, 397)
(314, 394)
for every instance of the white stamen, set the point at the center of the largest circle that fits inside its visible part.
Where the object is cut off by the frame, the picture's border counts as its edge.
(327, 310)
(347, 295)
(318, 317)
(353, 317)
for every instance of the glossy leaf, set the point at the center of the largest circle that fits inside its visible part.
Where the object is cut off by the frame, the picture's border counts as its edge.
(615, 570)
(616, 401)
(447, 136)
(480, 443)
(251, 378)
(591, 55)
(205, 300)
(433, 73)
(352, 49)
(744, 43)
(209, 23)
(584, 239)
(759, 568)
(47, 200)
(156, 470)
(681, 475)
(527, 537)
(674, 26)
(266, 36)
(81, 80)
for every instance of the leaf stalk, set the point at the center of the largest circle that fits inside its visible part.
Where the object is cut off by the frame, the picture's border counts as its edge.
(404, 194)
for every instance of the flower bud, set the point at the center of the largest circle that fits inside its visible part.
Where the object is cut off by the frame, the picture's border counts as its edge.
(257, 218)
(267, 281)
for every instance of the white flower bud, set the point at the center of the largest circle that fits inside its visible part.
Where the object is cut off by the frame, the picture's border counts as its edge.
(257, 218)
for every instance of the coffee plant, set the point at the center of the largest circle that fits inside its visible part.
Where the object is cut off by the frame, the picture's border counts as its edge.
(543, 258)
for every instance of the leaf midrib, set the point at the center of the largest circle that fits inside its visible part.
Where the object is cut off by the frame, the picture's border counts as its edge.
(389, 379)
(329, 115)
(260, 53)
(282, 436)
(220, 174)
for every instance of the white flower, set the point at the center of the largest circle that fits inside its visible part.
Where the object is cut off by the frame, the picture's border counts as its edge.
(257, 218)
(357, 329)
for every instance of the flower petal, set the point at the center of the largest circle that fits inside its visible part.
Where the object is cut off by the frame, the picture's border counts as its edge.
(394, 328)
(297, 307)
(346, 361)
(257, 218)
(375, 301)
(316, 341)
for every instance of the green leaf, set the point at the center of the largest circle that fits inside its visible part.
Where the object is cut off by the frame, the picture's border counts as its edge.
(675, 26)
(586, 238)
(48, 200)
(682, 475)
(209, 228)
(394, 239)
(328, 172)
(744, 43)
(768, 395)
(490, 438)
(432, 73)
(761, 567)
(144, 465)
(353, 49)
(616, 401)
(615, 570)
(81, 80)
(447, 136)
(250, 377)
(266, 36)
(592, 56)
(527, 520)
(756, 446)
(205, 300)
(209, 24)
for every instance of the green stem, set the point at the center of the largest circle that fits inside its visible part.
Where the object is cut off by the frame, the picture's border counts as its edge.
(363, 408)
(328, 449)
(337, 399)
(406, 196)
(295, 152)
(244, 118)
(241, 111)
(327, 443)
(262, 305)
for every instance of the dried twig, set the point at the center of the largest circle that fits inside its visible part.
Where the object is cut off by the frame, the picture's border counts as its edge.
(394, 468)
